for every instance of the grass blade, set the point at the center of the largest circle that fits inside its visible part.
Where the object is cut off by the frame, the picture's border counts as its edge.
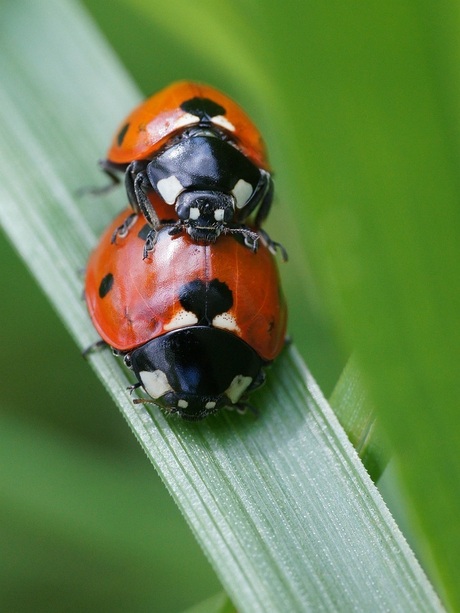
(353, 408)
(281, 504)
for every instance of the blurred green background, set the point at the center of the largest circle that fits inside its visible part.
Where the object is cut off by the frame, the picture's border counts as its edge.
(362, 123)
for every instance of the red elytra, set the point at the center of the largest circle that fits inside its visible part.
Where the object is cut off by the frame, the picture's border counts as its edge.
(156, 120)
(132, 300)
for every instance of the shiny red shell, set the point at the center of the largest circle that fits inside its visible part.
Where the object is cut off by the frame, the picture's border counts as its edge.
(131, 300)
(150, 125)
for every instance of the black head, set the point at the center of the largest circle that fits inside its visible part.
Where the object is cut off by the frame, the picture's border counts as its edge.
(205, 213)
(209, 181)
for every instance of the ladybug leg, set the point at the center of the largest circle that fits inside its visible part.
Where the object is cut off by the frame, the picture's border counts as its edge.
(96, 346)
(177, 228)
(262, 197)
(141, 184)
(127, 361)
(111, 170)
(124, 228)
(265, 198)
(141, 187)
(137, 186)
(273, 245)
(152, 236)
(133, 387)
(131, 173)
(243, 407)
(250, 240)
(150, 243)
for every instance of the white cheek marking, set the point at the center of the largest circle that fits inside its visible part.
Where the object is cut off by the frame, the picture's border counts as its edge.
(155, 383)
(219, 214)
(237, 387)
(225, 321)
(242, 192)
(181, 320)
(210, 405)
(194, 213)
(182, 404)
(169, 189)
(220, 120)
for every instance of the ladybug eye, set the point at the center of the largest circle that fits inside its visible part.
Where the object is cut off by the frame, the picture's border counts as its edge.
(127, 361)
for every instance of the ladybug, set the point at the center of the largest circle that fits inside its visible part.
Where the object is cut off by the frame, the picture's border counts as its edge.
(196, 322)
(200, 153)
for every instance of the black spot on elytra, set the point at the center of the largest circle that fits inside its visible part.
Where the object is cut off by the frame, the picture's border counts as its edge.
(143, 232)
(204, 108)
(206, 300)
(106, 285)
(121, 134)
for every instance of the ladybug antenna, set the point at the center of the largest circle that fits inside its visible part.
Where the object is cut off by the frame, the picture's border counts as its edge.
(251, 238)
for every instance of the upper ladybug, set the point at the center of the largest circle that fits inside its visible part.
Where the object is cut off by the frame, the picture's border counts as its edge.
(196, 149)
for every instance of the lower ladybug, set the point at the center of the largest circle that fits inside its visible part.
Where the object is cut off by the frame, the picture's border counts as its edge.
(196, 322)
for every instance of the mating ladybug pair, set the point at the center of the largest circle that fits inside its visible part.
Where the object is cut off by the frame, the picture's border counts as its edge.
(180, 286)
